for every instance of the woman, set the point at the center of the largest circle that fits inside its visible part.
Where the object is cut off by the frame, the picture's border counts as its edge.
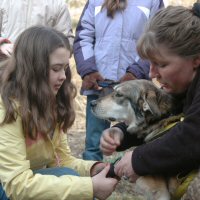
(36, 110)
(171, 42)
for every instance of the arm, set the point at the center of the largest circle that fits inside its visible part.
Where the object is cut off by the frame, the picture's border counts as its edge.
(140, 68)
(102, 186)
(117, 138)
(18, 179)
(66, 159)
(178, 150)
(84, 42)
(129, 140)
(156, 5)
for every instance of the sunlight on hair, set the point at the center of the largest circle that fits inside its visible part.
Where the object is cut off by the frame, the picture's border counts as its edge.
(187, 3)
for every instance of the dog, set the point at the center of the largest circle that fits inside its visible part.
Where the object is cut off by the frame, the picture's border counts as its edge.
(140, 104)
(145, 109)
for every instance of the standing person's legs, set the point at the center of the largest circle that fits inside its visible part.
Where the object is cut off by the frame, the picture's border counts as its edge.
(94, 129)
(2, 193)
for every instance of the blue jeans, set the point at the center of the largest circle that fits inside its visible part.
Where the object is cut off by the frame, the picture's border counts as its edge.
(2, 194)
(50, 171)
(94, 129)
(57, 171)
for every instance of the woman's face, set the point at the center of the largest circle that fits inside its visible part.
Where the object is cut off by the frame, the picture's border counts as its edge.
(174, 73)
(59, 61)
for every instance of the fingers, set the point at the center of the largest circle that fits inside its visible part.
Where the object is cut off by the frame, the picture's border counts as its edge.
(105, 170)
(127, 77)
(109, 141)
(107, 150)
(87, 84)
(102, 186)
(90, 81)
(117, 136)
(119, 169)
(124, 166)
(7, 49)
(113, 180)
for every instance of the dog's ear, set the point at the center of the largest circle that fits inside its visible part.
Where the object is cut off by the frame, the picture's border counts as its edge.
(142, 94)
(150, 103)
(128, 91)
(146, 99)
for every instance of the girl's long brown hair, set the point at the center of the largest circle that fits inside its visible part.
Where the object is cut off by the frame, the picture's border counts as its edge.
(114, 5)
(25, 87)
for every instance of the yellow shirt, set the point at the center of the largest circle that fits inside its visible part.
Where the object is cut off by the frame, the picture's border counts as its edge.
(19, 156)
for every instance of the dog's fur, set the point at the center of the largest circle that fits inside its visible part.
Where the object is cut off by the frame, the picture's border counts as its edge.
(140, 104)
(144, 108)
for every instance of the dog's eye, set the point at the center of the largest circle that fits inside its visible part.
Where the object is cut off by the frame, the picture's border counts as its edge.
(118, 95)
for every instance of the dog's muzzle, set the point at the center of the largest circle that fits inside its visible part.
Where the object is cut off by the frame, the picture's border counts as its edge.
(93, 105)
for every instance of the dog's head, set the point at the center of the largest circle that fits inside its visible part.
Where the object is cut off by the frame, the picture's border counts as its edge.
(137, 103)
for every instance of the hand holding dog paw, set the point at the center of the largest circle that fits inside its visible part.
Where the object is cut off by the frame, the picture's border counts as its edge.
(110, 140)
(90, 81)
(102, 186)
(123, 168)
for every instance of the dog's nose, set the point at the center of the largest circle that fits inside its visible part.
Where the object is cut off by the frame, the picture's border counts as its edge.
(93, 103)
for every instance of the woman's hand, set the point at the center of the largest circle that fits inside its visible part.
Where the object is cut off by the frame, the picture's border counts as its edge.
(102, 186)
(123, 168)
(110, 140)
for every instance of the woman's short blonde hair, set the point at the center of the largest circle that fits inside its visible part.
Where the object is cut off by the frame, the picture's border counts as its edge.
(176, 28)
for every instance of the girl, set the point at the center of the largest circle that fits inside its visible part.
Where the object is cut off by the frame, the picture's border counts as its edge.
(35, 111)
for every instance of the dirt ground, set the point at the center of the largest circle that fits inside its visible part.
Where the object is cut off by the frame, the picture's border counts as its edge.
(76, 134)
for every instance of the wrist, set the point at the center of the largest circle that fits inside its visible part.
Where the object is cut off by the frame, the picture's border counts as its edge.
(96, 168)
(131, 74)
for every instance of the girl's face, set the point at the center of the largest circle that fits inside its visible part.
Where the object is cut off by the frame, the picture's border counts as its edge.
(59, 61)
(174, 73)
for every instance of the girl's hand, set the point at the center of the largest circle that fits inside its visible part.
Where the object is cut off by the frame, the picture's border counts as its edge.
(97, 167)
(102, 186)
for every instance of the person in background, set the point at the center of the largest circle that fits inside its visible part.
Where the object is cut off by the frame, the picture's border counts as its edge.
(18, 15)
(171, 42)
(36, 110)
(105, 48)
